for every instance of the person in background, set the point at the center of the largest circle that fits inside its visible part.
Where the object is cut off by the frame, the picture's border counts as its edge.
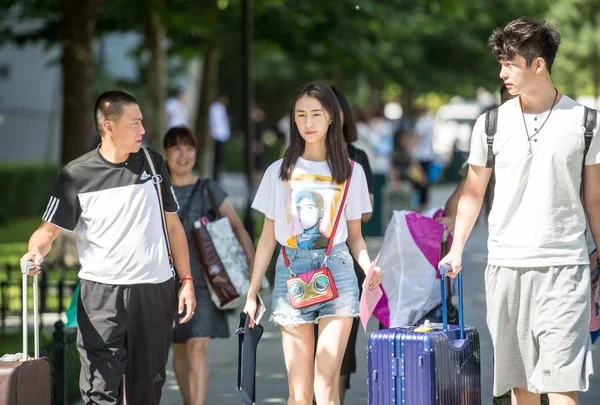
(350, 135)
(177, 110)
(257, 114)
(403, 166)
(220, 130)
(191, 340)
(423, 152)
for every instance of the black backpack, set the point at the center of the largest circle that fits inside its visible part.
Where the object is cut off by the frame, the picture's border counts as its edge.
(491, 124)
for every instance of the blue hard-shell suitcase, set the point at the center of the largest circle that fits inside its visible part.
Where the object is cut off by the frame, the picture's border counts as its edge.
(431, 364)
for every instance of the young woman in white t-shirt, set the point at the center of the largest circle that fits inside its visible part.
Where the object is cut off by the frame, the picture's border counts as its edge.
(300, 196)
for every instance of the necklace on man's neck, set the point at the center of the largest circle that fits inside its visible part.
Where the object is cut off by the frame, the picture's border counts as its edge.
(537, 131)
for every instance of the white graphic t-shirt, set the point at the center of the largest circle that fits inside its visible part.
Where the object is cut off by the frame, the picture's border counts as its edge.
(305, 207)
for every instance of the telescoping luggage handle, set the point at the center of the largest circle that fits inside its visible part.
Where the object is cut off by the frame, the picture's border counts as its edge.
(25, 267)
(445, 268)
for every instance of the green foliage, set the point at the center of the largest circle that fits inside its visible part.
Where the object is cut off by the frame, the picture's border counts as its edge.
(365, 47)
(11, 253)
(25, 189)
(18, 231)
(577, 65)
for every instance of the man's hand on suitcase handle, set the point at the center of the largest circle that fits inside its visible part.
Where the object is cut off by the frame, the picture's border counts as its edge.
(31, 262)
(454, 260)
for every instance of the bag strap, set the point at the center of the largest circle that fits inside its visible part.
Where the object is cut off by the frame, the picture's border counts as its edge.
(335, 224)
(183, 213)
(211, 198)
(491, 124)
(589, 118)
(589, 123)
(157, 179)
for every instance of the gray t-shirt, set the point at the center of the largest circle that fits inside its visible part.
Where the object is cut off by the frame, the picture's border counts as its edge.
(193, 207)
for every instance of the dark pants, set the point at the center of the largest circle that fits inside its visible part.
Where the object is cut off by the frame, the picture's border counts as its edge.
(219, 146)
(423, 189)
(123, 340)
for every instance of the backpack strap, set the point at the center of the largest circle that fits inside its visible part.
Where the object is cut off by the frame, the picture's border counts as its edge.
(589, 119)
(491, 124)
(589, 123)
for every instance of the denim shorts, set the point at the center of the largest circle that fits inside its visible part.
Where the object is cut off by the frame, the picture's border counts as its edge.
(340, 264)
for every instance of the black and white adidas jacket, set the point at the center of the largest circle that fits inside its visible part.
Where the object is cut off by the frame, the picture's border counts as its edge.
(116, 212)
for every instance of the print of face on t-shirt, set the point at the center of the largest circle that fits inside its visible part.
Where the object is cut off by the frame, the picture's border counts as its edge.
(303, 209)
(311, 203)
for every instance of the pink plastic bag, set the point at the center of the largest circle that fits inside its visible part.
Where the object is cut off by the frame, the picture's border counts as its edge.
(410, 255)
(595, 292)
(382, 310)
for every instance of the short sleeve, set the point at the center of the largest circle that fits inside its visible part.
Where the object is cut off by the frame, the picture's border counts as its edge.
(218, 194)
(357, 201)
(479, 149)
(363, 159)
(170, 203)
(264, 201)
(63, 209)
(593, 155)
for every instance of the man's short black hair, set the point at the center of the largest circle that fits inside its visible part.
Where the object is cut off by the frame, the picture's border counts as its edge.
(528, 38)
(109, 105)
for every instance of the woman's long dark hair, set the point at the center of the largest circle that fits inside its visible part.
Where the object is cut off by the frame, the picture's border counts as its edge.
(349, 129)
(337, 153)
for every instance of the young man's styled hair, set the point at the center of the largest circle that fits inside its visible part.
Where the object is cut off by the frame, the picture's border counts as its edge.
(528, 38)
(109, 106)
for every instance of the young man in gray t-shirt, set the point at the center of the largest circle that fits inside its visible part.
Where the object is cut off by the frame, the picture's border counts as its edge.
(537, 278)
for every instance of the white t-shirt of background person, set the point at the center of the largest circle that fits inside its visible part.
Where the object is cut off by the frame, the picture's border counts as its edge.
(220, 129)
(537, 218)
(424, 150)
(305, 207)
(177, 114)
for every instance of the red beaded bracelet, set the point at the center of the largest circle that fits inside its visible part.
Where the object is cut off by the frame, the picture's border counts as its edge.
(187, 278)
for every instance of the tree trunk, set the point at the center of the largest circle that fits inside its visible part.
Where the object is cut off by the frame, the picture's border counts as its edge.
(208, 92)
(79, 26)
(595, 66)
(157, 75)
(407, 101)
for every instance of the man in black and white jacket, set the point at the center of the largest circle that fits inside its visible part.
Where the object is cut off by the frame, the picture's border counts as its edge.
(127, 300)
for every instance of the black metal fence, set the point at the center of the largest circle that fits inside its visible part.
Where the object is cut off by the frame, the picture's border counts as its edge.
(64, 364)
(56, 285)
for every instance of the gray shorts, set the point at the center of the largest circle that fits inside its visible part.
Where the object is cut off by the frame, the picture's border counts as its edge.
(539, 322)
